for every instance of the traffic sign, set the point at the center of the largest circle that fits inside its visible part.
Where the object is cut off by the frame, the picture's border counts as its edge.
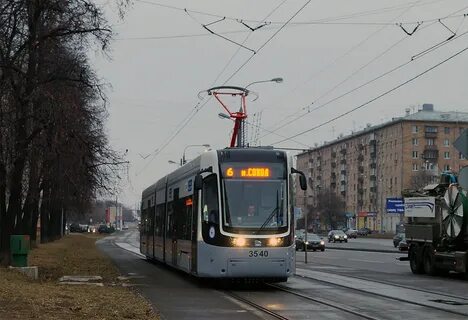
(462, 143)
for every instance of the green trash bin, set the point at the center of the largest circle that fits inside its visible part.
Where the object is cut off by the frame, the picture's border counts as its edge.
(19, 245)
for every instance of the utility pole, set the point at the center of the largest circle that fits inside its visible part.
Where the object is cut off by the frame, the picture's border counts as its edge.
(306, 226)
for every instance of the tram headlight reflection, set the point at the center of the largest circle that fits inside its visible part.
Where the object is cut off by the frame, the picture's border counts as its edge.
(274, 242)
(239, 242)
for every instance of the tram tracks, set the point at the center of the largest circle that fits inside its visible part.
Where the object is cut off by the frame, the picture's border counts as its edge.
(275, 313)
(257, 300)
(399, 285)
(431, 304)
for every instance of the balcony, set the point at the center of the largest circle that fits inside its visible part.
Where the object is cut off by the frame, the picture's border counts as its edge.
(333, 184)
(319, 177)
(343, 188)
(430, 135)
(360, 203)
(373, 177)
(343, 161)
(343, 151)
(333, 154)
(333, 164)
(373, 189)
(360, 179)
(360, 157)
(430, 154)
(360, 191)
(430, 147)
(361, 169)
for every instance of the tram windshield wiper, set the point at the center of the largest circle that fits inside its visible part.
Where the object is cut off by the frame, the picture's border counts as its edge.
(267, 220)
(271, 215)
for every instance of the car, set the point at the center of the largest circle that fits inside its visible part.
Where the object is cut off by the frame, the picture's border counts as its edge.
(75, 227)
(314, 242)
(125, 228)
(105, 229)
(337, 235)
(364, 231)
(351, 233)
(397, 238)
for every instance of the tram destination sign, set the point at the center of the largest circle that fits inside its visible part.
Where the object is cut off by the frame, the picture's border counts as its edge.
(252, 170)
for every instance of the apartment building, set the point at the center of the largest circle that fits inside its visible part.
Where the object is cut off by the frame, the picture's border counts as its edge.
(370, 167)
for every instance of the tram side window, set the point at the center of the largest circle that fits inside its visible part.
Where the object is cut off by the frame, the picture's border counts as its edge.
(158, 223)
(170, 217)
(210, 200)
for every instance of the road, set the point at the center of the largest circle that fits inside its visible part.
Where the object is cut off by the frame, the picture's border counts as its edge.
(364, 243)
(335, 284)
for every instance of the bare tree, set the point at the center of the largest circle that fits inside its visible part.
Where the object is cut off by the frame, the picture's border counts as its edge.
(54, 154)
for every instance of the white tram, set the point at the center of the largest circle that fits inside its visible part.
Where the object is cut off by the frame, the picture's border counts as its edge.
(226, 214)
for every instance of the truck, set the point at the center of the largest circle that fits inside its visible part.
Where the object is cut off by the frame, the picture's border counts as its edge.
(436, 227)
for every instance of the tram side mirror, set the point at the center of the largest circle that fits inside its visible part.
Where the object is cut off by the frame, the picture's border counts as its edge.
(302, 178)
(198, 184)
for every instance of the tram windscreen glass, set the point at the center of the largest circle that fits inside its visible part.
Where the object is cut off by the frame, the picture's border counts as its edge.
(254, 196)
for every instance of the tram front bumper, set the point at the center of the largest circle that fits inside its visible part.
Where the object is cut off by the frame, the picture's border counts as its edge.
(232, 262)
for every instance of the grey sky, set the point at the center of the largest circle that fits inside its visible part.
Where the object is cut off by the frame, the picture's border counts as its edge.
(155, 82)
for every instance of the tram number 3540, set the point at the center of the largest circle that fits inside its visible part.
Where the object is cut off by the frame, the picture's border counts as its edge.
(258, 253)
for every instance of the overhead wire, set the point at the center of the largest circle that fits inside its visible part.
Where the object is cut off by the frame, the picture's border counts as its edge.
(329, 20)
(329, 65)
(200, 106)
(377, 97)
(298, 113)
(245, 40)
(268, 40)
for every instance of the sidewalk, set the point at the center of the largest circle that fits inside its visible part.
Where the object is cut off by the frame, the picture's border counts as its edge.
(22, 298)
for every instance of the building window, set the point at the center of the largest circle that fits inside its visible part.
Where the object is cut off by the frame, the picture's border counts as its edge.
(430, 142)
(461, 156)
(446, 167)
(415, 129)
(415, 167)
(430, 129)
(446, 130)
(415, 141)
(446, 142)
(415, 154)
(446, 155)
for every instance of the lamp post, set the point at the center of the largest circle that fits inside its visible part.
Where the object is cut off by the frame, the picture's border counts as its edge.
(172, 162)
(183, 160)
(241, 125)
(277, 80)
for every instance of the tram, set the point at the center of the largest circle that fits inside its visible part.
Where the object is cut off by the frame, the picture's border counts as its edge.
(226, 214)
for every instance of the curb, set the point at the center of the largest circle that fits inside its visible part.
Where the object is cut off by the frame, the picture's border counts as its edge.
(367, 250)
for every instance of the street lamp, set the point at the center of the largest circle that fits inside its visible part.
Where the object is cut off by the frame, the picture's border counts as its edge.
(183, 161)
(277, 80)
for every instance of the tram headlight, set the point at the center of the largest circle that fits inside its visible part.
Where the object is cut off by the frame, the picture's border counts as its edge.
(273, 242)
(239, 242)
(346, 237)
(322, 243)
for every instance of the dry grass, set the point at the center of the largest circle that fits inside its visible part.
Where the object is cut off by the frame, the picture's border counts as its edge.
(21, 298)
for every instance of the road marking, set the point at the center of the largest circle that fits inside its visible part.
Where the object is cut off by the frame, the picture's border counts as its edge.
(362, 260)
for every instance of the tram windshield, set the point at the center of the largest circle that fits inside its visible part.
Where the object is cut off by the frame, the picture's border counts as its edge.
(254, 198)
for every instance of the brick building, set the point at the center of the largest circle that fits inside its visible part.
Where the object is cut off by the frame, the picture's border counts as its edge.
(370, 166)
